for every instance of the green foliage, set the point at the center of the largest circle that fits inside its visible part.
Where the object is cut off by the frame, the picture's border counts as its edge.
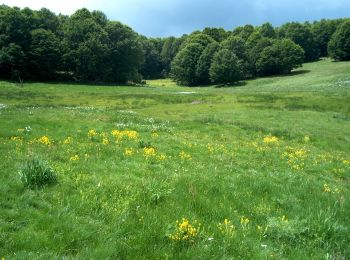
(198, 38)
(267, 30)
(152, 67)
(218, 34)
(244, 31)
(323, 31)
(281, 57)
(86, 46)
(36, 173)
(38, 44)
(339, 45)
(184, 65)
(301, 34)
(47, 20)
(256, 45)
(169, 50)
(238, 46)
(126, 54)
(12, 61)
(204, 62)
(226, 67)
(44, 54)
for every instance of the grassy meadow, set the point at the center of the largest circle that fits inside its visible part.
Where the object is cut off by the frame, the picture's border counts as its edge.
(253, 171)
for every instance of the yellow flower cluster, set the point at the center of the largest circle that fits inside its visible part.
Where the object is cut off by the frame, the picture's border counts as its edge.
(328, 189)
(244, 221)
(75, 158)
(270, 139)
(161, 157)
(210, 148)
(44, 140)
(92, 133)
(105, 141)
(226, 227)
(149, 152)
(185, 156)
(155, 135)
(129, 152)
(16, 138)
(295, 158)
(125, 133)
(185, 231)
(68, 140)
(346, 162)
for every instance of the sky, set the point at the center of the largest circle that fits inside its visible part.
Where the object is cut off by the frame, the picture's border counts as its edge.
(162, 18)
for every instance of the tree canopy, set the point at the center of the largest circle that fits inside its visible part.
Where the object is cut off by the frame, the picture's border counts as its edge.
(339, 45)
(87, 46)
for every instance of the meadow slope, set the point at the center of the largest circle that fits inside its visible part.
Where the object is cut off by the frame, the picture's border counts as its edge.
(253, 171)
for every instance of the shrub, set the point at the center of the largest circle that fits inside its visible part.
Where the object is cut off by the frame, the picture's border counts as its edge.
(36, 173)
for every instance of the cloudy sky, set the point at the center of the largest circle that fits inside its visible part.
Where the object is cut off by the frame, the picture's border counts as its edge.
(158, 18)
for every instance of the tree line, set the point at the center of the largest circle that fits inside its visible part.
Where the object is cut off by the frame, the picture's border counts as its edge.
(87, 47)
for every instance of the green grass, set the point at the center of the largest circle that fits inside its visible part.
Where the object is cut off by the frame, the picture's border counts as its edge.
(116, 197)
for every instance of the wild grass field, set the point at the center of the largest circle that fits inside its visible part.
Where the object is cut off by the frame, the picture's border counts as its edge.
(259, 170)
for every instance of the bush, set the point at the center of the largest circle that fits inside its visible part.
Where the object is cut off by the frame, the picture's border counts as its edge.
(36, 173)
(339, 45)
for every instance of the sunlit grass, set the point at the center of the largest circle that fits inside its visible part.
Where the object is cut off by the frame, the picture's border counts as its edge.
(254, 171)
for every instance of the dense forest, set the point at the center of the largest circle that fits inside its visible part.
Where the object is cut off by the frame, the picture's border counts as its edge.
(87, 47)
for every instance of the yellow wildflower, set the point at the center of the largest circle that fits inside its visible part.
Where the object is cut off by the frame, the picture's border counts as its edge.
(92, 133)
(326, 188)
(124, 133)
(185, 231)
(149, 152)
(244, 221)
(155, 135)
(44, 140)
(185, 156)
(161, 157)
(210, 148)
(74, 158)
(128, 152)
(226, 227)
(270, 139)
(132, 134)
(346, 162)
(105, 141)
(68, 140)
(16, 138)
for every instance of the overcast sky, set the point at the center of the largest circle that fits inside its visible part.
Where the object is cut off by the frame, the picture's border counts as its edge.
(160, 18)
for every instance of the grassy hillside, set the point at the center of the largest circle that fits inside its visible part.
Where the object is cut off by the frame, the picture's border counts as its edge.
(257, 170)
